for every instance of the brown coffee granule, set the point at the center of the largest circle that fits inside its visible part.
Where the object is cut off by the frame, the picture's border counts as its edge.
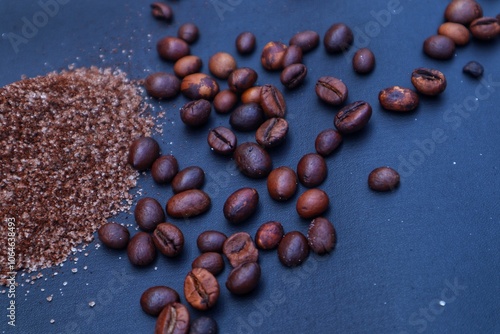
(64, 142)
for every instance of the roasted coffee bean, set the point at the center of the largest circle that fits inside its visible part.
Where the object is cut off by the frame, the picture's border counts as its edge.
(148, 213)
(141, 250)
(247, 117)
(383, 179)
(321, 236)
(293, 76)
(272, 132)
(428, 81)
(463, 11)
(239, 248)
(241, 79)
(154, 299)
(143, 152)
(293, 55)
(172, 48)
(114, 235)
(221, 65)
(485, 28)
(272, 101)
(204, 325)
(211, 261)
(331, 90)
(199, 86)
(168, 239)
(241, 205)
(222, 140)
(245, 43)
(225, 101)
(162, 11)
(164, 169)
(312, 170)
(269, 235)
(282, 183)
(338, 38)
(439, 47)
(201, 289)
(312, 203)
(306, 40)
(293, 249)
(353, 117)
(191, 177)
(456, 31)
(252, 94)
(188, 32)
(196, 113)
(363, 61)
(244, 278)
(327, 142)
(252, 160)
(211, 241)
(187, 65)
(474, 69)
(174, 319)
(162, 85)
(189, 203)
(398, 99)
(273, 55)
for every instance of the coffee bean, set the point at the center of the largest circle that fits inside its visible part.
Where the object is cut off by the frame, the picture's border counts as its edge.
(244, 278)
(272, 132)
(172, 48)
(312, 203)
(221, 65)
(241, 79)
(204, 325)
(463, 11)
(312, 170)
(456, 31)
(187, 65)
(245, 43)
(225, 101)
(247, 117)
(164, 169)
(211, 241)
(293, 249)
(211, 261)
(162, 11)
(191, 177)
(307, 40)
(239, 248)
(338, 38)
(272, 101)
(189, 203)
(252, 94)
(162, 85)
(398, 99)
(241, 205)
(154, 299)
(196, 113)
(272, 56)
(353, 117)
(485, 28)
(188, 32)
(293, 76)
(269, 235)
(140, 250)
(174, 319)
(327, 142)
(428, 81)
(439, 47)
(363, 61)
(252, 160)
(331, 90)
(143, 152)
(293, 55)
(321, 236)
(383, 179)
(199, 86)
(474, 69)
(148, 213)
(114, 235)
(282, 183)
(201, 289)
(168, 239)
(222, 140)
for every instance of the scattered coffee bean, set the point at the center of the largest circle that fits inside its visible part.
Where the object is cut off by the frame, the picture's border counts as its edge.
(225, 101)
(272, 101)
(191, 177)
(331, 90)
(456, 31)
(282, 183)
(239, 248)
(293, 76)
(241, 205)
(363, 61)
(172, 48)
(221, 65)
(272, 132)
(428, 81)
(321, 236)
(143, 152)
(293, 249)
(312, 203)
(148, 213)
(196, 113)
(439, 47)
(252, 94)
(485, 28)
(338, 38)
(162, 11)
(293, 55)
(272, 56)
(353, 117)
(474, 69)
(168, 239)
(188, 32)
(204, 325)
(306, 40)
(244, 278)
(187, 65)
(162, 85)
(327, 142)
(154, 299)
(247, 117)
(189, 203)
(252, 160)
(383, 179)
(173, 319)
(222, 140)
(164, 169)
(211, 241)
(312, 170)
(140, 250)
(211, 261)
(199, 86)
(245, 43)
(201, 289)
(241, 79)
(114, 235)
(398, 99)
(269, 235)
(463, 11)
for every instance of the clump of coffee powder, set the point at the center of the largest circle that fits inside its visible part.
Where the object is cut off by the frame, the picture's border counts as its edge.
(64, 141)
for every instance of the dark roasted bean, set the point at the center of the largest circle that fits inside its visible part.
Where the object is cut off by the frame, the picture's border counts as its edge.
(164, 169)
(188, 204)
(282, 183)
(338, 38)
(398, 99)
(211, 241)
(463, 11)
(211, 261)
(148, 213)
(293, 249)
(327, 142)
(241, 204)
(168, 239)
(321, 236)
(241, 79)
(162, 11)
(331, 90)
(272, 132)
(245, 42)
(188, 32)
(269, 235)
(383, 179)
(456, 31)
(172, 48)
(293, 55)
(353, 117)
(199, 86)
(439, 47)
(154, 299)
(239, 248)
(293, 76)
(204, 325)
(174, 319)
(191, 177)
(140, 250)
(273, 55)
(428, 81)
(222, 140)
(187, 65)
(312, 203)
(485, 28)
(363, 61)
(196, 113)
(162, 85)
(306, 40)
(114, 235)
(201, 289)
(312, 170)
(247, 117)
(225, 101)
(474, 69)
(143, 152)
(244, 278)
(252, 160)
(221, 65)
(272, 101)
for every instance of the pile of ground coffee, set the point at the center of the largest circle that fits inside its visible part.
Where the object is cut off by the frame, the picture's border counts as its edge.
(64, 142)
